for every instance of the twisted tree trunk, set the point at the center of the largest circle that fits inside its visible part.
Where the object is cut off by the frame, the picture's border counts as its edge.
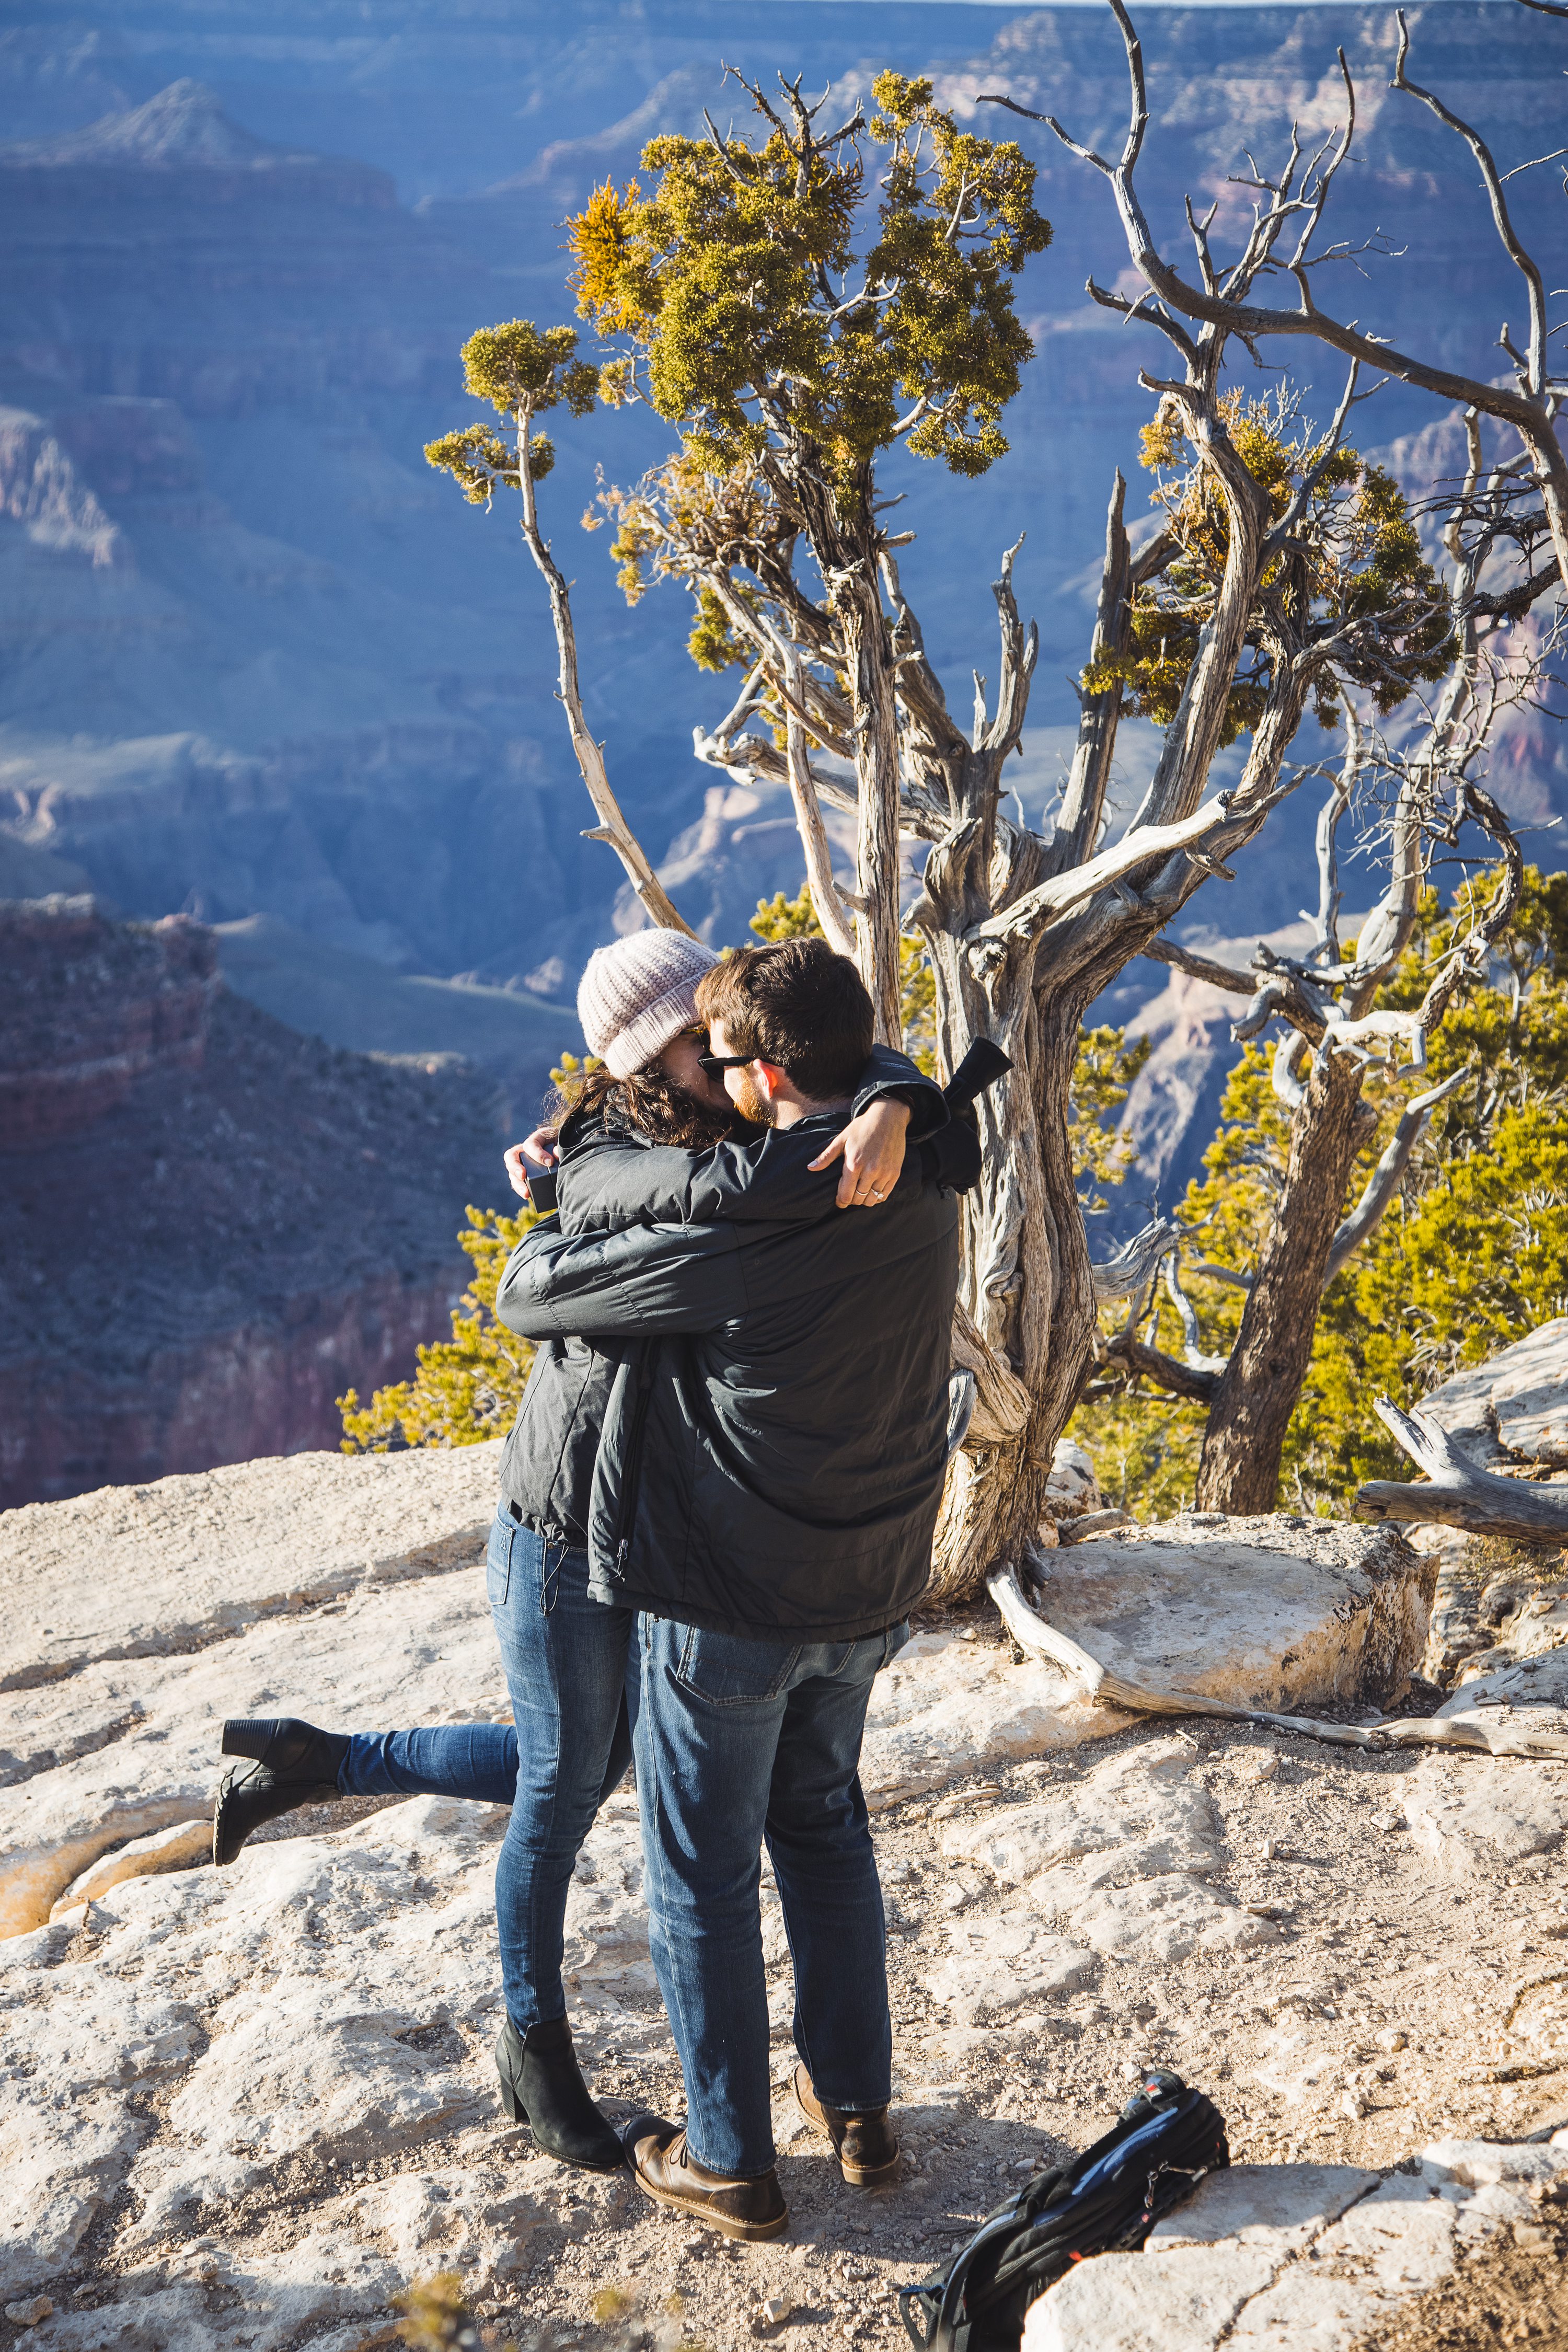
(1257, 1391)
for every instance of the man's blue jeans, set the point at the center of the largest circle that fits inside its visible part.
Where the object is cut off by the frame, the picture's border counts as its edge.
(738, 1742)
(566, 1660)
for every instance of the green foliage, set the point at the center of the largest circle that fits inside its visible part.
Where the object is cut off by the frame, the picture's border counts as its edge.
(467, 1388)
(1103, 1075)
(1355, 571)
(521, 371)
(1471, 1255)
(728, 285)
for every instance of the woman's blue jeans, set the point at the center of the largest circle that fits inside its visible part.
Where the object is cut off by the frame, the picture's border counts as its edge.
(566, 1660)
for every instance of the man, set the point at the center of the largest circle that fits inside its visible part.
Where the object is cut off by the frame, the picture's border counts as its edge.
(764, 1495)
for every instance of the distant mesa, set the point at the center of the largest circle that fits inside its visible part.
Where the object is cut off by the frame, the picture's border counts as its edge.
(183, 125)
(185, 129)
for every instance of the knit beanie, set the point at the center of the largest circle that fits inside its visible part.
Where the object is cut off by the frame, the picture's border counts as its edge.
(640, 993)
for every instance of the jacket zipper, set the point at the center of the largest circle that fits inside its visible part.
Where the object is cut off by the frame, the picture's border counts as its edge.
(634, 1453)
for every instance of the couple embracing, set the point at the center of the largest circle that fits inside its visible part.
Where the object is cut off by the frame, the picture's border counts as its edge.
(717, 1509)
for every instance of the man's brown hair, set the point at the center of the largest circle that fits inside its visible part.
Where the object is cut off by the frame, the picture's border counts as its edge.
(796, 1004)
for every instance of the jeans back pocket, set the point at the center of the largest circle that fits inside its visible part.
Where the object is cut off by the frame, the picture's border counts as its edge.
(729, 1671)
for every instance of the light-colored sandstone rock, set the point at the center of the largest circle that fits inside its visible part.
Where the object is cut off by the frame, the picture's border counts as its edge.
(948, 1706)
(324, 1999)
(1176, 2301)
(1142, 1797)
(1284, 2206)
(1118, 1862)
(1536, 1681)
(1469, 1816)
(1515, 1405)
(144, 1857)
(1276, 2258)
(1000, 1966)
(1164, 1920)
(146, 1729)
(1281, 1612)
(132, 1571)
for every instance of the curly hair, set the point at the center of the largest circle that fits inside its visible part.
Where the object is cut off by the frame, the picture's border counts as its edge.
(649, 1101)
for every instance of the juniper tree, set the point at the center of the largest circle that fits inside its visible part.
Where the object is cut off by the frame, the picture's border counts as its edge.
(794, 307)
(1340, 1015)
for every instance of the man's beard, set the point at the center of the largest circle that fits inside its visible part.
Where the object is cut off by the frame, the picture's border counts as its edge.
(750, 1104)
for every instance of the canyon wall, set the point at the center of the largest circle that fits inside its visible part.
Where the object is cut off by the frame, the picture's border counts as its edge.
(210, 1226)
(92, 1007)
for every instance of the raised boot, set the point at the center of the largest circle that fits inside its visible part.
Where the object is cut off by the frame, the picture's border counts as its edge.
(866, 2143)
(542, 2085)
(665, 2167)
(292, 1764)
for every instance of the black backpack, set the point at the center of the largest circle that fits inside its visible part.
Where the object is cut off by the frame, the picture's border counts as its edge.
(1166, 2139)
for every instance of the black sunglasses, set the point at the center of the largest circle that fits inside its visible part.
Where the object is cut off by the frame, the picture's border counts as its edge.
(712, 1064)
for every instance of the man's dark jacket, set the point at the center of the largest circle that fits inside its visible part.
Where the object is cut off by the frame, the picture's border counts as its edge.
(772, 1449)
(547, 1463)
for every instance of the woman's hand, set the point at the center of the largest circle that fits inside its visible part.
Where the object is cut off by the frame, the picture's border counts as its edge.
(539, 1148)
(872, 1147)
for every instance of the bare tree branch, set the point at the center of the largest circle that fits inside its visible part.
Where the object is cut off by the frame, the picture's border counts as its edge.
(1125, 1273)
(836, 918)
(1031, 913)
(1197, 967)
(1529, 408)
(1460, 1496)
(612, 826)
(1144, 1362)
(1383, 1185)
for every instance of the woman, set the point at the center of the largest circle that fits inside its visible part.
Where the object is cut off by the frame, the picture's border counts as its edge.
(565, 1654)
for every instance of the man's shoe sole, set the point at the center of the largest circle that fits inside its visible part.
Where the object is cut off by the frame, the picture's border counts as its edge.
(857, 2176)
(750, 2232)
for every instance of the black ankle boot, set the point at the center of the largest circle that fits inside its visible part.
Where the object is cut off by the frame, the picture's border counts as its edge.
(294, 1764)
(541, 2085)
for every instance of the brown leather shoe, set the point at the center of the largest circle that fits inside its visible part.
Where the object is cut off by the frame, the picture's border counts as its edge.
(667, 2168)
(866, 2144)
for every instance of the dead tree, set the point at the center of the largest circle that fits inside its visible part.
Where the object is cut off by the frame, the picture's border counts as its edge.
(1289, 218)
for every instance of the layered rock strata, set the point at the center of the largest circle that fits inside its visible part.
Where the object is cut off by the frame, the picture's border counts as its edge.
(92, 1007)
(214, 1226)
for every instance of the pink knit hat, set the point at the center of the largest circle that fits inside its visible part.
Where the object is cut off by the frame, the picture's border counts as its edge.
(640, 993)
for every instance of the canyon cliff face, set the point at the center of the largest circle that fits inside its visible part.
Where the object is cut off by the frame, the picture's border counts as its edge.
(259, 665)
(91, 1007)
(256, 660)
(210, 1227)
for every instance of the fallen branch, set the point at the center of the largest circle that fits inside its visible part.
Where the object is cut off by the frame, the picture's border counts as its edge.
(1107, 1688)
(1459, 1496)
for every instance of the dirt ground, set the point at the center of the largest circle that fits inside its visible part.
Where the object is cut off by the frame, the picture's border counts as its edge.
(1517, 2295)
(1377, 1948)
(1382, 2011)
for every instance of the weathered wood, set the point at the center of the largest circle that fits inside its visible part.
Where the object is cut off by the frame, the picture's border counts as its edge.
(611, 828)
(1127, 1271)
(1255, 1397)
(1459, 1495)
(837, 918)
